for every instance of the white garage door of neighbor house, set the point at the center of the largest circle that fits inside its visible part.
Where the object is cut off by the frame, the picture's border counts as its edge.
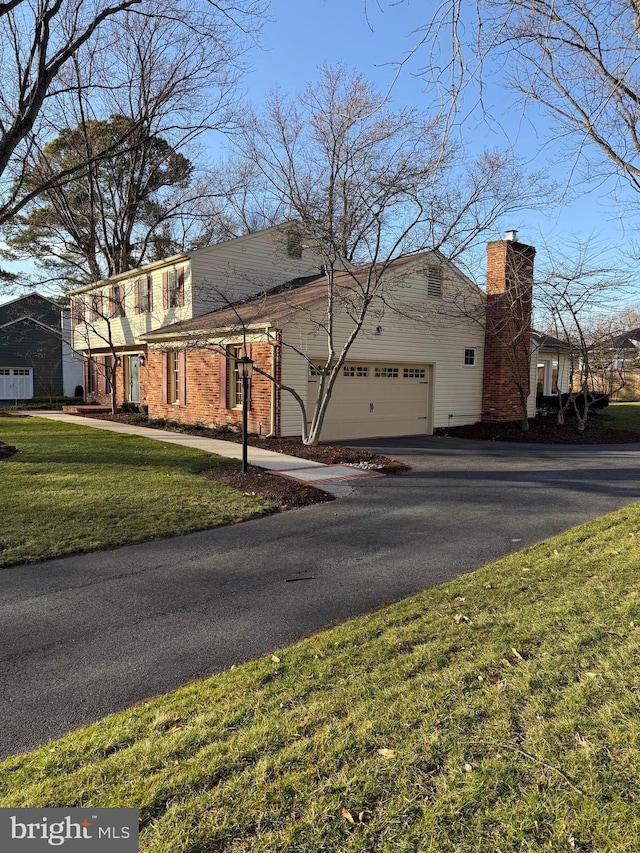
(373, 399)
(16, 383)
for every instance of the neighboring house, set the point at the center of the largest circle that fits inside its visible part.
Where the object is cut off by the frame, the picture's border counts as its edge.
(36, 359)
(616, 366)
(422, 359)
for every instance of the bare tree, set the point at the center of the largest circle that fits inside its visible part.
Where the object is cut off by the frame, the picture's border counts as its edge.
(56, 47)
(367, 185)
(575, 286)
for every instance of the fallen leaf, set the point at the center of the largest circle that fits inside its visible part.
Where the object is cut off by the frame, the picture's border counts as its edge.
(505, 662)
(176, 728)
(347, 815)
(468, 768)
(364, 816)
(613, 551)
(459, 618)
(386, 753)
(555, 552)
(583, 742)
(592, 577)
(517, 653)
(275, 658)
(487, 585)
(460, 598)
(427, 743)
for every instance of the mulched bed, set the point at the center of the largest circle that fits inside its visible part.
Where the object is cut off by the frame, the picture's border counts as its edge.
(545, 431)
(286, 493)
(7, 450)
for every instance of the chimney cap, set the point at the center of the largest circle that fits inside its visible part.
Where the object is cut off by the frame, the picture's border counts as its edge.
(511, 236)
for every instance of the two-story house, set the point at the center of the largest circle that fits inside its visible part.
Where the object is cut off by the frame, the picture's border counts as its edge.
(434, 349)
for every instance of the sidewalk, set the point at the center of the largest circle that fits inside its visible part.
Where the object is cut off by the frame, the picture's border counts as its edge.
(312, 473)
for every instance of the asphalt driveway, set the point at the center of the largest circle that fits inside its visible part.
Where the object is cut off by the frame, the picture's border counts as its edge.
(86, 635)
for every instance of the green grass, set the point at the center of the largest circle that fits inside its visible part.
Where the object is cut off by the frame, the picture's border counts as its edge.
(73, 488)
(508, 701)
(622, 416)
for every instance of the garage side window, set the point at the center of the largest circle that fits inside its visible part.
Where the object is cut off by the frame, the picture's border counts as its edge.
(356, 370)
(387, 372)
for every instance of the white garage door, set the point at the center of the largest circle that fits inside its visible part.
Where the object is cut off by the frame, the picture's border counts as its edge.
(376, 399)
(16, 383)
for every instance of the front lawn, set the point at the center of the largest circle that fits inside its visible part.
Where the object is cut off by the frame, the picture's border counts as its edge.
(72, 488)
(622, 416)
(499, 713)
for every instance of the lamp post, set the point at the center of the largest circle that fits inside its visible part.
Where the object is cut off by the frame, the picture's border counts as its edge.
(245, 366)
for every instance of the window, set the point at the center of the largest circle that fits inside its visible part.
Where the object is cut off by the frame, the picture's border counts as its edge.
(173, 288)
(235, 379)
(294, 244)
(116, 301)
(469, 357)
(358, 371)
(173, 377)
(414, 373)
(77, 311)
(386, 373)
(95, 307)
(434, 281)
(144, 295)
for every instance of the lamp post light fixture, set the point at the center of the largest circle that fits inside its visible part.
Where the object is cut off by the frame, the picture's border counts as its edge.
(245, 366)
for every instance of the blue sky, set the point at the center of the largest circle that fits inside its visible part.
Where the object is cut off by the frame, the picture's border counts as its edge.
(301, 36)
(371, 36)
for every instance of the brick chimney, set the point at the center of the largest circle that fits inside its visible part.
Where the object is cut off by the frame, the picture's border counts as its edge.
(507, 342)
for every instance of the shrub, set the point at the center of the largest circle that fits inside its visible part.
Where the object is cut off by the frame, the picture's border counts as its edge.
(550, 405)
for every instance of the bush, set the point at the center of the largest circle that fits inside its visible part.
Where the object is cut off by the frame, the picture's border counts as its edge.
(49, 403)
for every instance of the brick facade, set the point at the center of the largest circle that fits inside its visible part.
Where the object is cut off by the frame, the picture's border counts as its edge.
(507, 351)
(206, 389)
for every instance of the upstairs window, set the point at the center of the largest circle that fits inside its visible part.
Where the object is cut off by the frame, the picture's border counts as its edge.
(173, 288)
(434, 281)
(144, 295)
(96, 309)
(116, 301)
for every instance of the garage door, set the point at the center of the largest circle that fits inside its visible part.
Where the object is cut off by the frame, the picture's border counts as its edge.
(16, 383)
(376, 399)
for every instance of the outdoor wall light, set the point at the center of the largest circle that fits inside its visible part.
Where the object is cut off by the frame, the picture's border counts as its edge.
(143, 359)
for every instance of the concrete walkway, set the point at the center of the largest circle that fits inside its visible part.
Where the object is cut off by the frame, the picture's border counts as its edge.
(312, 473)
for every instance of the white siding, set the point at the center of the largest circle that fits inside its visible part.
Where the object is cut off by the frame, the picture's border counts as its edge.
(425, 333)
(245, 266)
(125, 331)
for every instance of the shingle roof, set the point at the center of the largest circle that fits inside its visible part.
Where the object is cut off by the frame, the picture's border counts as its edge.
(276, 304)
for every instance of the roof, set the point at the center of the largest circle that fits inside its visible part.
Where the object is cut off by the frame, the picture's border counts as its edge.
(277, 303)
(27, 318)
(174, 259)
(543, 341)
(625, 340)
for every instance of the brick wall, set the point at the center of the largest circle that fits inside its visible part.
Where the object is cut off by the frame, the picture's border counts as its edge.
(507, 352)
(205, 391)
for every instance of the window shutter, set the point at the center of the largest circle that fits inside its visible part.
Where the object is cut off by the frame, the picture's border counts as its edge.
(136, 296)
(165, 290)
(165, 377)
(181, 287)
(150, 292)
(182, 377)
(223, 393)
(248, 351)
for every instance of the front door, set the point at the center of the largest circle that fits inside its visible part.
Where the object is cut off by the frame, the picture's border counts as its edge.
(134, 379)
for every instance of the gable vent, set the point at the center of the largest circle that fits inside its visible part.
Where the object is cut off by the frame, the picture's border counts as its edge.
(434, 281)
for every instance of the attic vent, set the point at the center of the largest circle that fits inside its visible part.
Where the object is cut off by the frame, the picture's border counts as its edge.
(294, 244)
(434, 281)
